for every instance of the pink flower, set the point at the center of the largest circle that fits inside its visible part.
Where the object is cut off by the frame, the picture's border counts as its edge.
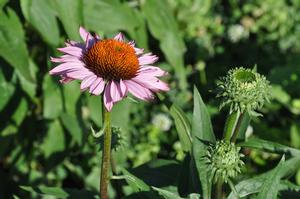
(110, 66)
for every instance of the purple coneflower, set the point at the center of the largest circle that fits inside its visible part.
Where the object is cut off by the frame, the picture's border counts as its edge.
(112, 66)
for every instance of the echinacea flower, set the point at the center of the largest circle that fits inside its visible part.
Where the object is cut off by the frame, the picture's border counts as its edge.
(113, 67)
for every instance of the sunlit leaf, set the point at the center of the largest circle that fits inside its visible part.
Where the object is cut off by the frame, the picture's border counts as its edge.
(183, 127)
(40, 14)
(53, 104)
(54, 141)
(70, 13)
(13, 48)
(60, 192)
(71, 124)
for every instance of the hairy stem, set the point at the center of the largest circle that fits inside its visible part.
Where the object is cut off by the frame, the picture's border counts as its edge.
(104, 180)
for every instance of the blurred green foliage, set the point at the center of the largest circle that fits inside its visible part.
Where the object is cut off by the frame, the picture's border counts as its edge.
(45, 136)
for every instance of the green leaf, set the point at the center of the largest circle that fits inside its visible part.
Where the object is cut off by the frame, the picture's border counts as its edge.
(53, 104)
(167, 194)
(270, 186)
(158, 173)
(6, 90)
(40, 14)
(269, 146)
(54, 140)
(202, 127)
(71, 93)
(70, 14)
(183, 127)
(134, 182)
(166, 31)
(95, 109)
(13, 47)
(71, 124)
(28, 86)
(232, 122)
(120, 15)
(253, 185)
(201, 131)
(59, 192)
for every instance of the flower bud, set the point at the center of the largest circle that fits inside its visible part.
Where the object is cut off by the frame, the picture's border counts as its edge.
(243, 90)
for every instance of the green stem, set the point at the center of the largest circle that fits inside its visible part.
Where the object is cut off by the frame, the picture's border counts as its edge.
(237, 127)
(219, 188)
(104, 180)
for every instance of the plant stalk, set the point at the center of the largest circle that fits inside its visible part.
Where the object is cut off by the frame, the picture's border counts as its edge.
(237, 127)
(104, 179)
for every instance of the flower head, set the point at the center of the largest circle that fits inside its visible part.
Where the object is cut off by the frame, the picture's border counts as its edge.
(110, 66)
(224, 160)
(244, 90)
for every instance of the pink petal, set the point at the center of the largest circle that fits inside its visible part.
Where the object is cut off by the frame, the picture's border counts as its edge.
(65, 58)
(152, 70)
(83, 33)
(123, 88)
(95, 84)
(147, 59)
(151, 83)
(138, 91)
(115, 91)
(66, 67)
(99, 88)
(87, 82)
(65, 79)
(119, 37)
(72, 50)
(138, 51)
(79, 74)
(108, 103)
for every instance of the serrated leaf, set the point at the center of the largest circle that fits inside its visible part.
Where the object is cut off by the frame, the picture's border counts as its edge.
(70, 12)
(54, 141)
(183, 127)
(269, 146)
(13, 47)
(40, 14)
(59, 192)
(71, 124)
(53, 105)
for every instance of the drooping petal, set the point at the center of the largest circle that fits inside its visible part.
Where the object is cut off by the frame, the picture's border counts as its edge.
(99, 88)
(65, 79)
(66, 67)
(147, 59)
(119, 37)
(72, 50)
(115, 91)
(79, 74)
(138, 91)
(87, 82)
(65, 58)
(152, 70)
(108, 102)
(151, 83)
(123, 88)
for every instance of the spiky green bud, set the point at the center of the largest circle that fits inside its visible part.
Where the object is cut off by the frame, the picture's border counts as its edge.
(224, 160)
(243, 90)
